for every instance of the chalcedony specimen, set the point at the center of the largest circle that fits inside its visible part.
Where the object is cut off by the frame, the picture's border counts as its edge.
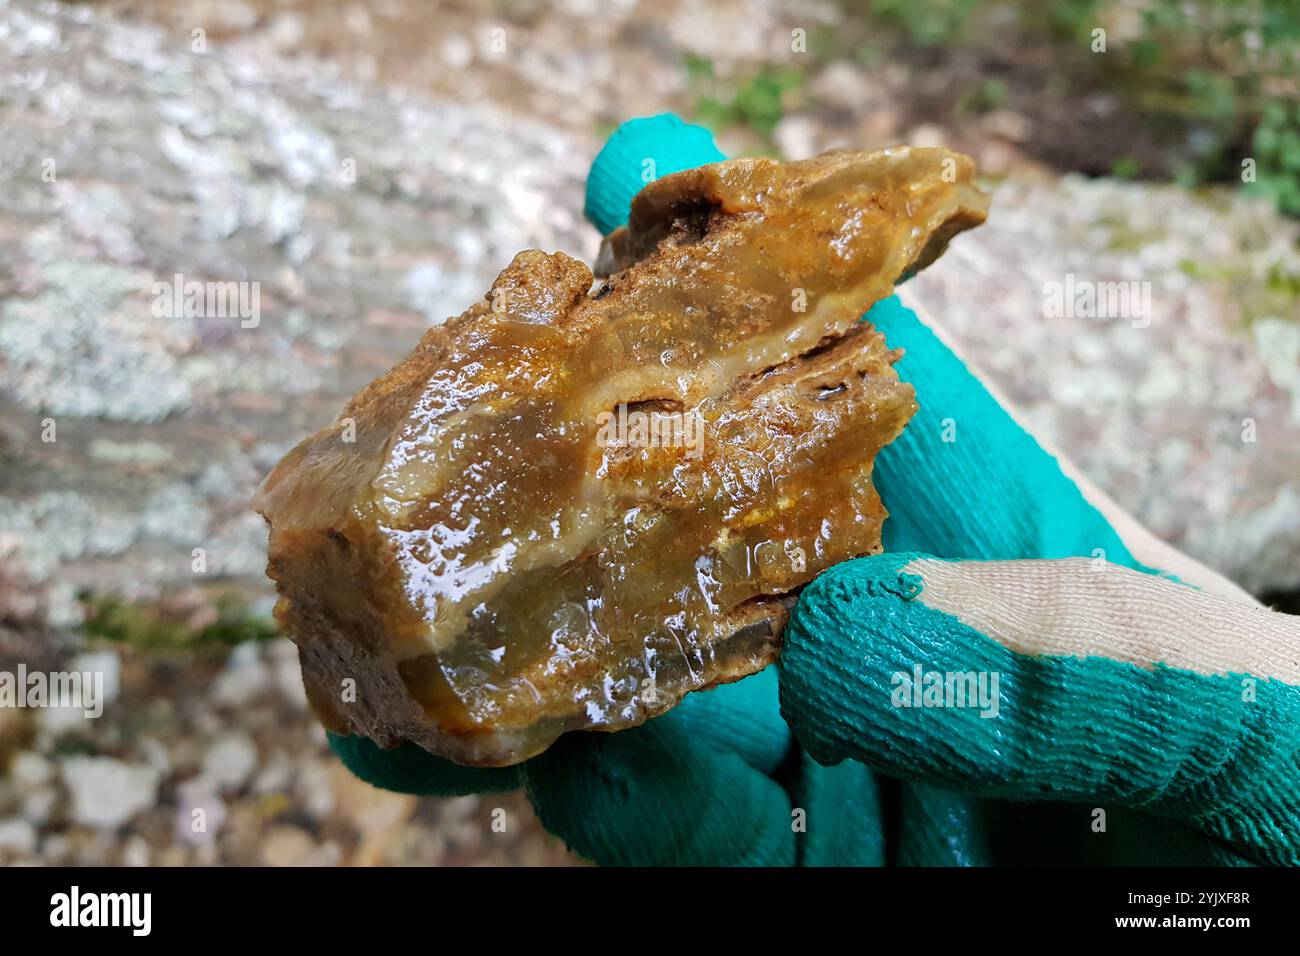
(568, 508)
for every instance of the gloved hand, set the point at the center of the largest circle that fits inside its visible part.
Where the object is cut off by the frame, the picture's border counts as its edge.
(1168, 717)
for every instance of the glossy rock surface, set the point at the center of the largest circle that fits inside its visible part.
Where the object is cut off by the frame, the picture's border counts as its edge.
(567, 509)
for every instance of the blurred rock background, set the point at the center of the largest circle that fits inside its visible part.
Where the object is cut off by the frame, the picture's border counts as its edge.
(372, 165)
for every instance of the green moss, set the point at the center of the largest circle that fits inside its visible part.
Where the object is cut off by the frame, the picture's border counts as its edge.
(1123, 237)
(1276, 296)
(155, 626)
(73, 746)
(1125, 168)
(1284, 283)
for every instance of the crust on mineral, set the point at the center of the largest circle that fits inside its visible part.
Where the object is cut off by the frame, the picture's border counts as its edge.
(567, 509)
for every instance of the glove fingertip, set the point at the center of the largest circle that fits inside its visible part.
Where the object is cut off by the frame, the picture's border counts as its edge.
(652, 796)
(640, 151)
(849, 622)
(410, 769)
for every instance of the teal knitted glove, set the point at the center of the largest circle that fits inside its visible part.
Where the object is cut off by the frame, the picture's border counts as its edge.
(1059, 680)
(716, 781)
(722, 780)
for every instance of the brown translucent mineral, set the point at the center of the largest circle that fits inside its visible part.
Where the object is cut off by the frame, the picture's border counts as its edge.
(567, 509)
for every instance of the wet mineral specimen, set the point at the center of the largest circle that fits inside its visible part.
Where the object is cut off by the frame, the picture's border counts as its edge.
(568, 508)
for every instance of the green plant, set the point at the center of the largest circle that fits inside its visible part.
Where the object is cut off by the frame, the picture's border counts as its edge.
(1203, 85)
(1276, 145)
(928, 23)
(757, 102)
